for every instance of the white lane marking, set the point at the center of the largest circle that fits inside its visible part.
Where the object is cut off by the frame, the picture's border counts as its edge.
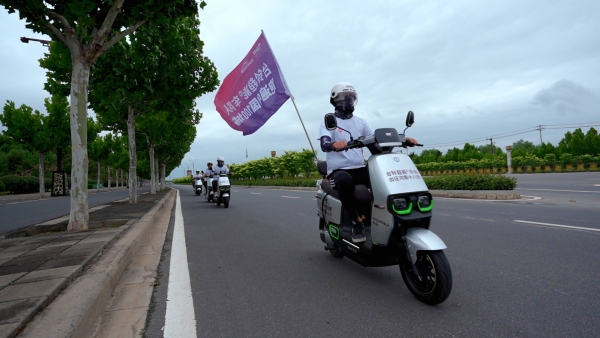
(180, 320)
(596, 185)
(557, 225)
(593, 192)
(531, 197)
(235, 191)
(290, 197)
(255, 193)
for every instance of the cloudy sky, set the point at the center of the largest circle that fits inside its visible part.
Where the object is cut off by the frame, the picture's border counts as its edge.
(469, 70)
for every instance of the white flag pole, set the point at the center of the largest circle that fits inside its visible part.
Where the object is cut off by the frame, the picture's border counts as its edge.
(291, 96)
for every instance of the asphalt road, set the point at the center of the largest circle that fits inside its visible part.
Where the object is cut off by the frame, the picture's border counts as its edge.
(22, 214)
(258, 269)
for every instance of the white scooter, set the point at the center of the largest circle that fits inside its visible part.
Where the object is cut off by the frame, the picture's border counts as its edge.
(223, 190)
(198, 185)
(398, 211)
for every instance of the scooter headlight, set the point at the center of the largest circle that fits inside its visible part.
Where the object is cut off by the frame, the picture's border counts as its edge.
(401, 206)
(425, 203)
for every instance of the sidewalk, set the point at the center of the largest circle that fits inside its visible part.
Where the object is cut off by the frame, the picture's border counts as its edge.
(34, 270)
(6, 199)
(470, 194)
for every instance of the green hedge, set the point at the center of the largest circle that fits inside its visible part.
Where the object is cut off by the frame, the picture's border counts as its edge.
(21, 184)
(2, 186)
(471, 182)
(298, 182)
(183, 180)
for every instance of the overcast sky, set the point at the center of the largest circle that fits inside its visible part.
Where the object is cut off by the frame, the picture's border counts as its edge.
(469, 70)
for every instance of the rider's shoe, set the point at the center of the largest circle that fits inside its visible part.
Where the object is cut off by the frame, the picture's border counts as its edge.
(358, 233)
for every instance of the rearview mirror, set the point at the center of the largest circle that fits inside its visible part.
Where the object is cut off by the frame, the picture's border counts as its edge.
(410, 119)
(330, 122)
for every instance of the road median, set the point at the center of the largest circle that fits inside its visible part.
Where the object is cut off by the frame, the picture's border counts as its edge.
(74, 312)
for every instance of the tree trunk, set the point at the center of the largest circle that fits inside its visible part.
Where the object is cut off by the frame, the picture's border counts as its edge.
(41, 176)
(117, 178)
(79, 216)
(98, 178)
(157, 175)
(152, 185)
(162, 176)
(132, 177)
(108, 174)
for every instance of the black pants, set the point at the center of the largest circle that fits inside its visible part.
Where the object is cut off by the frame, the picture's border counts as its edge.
(214, 184)
(204, 183)
(344, 180)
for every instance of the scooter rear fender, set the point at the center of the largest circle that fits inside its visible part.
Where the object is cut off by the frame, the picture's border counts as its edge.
(419, 239)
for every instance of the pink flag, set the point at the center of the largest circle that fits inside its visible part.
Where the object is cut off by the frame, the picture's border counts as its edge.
(253, 91)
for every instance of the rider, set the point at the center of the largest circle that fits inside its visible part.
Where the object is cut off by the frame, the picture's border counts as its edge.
(208, 172)
(198, 176)
(347, 168)
(221, 167)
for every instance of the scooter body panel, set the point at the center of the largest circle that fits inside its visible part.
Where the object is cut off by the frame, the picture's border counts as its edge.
(390, 174)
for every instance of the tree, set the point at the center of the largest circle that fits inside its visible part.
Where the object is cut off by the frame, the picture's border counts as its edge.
(165, 70)
(27, 127)
(57, 122)
(86, 28)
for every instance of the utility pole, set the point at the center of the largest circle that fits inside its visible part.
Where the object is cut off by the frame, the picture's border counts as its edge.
(492, 144)
(540, 128)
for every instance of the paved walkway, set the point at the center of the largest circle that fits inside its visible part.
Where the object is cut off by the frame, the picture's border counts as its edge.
(34, 270)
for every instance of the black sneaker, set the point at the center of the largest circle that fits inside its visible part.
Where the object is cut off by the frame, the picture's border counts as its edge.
(358, 233)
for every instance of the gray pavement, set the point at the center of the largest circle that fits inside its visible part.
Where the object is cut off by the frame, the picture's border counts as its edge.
(17, 215)
(34, 270)
(258, 269)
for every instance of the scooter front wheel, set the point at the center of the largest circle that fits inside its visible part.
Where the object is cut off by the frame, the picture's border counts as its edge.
(434, 282)
(226, 202)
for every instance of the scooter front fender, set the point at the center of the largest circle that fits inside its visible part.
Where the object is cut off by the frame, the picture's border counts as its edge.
(225, 195)
(419, 239)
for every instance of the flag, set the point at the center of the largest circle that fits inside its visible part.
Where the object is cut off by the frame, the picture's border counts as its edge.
(253, 91)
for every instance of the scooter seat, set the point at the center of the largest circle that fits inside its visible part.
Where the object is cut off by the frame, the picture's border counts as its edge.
(361, 192)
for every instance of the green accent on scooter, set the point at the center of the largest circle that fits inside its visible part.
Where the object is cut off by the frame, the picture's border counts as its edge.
(403, 212)
(426, 209)
(337, 231)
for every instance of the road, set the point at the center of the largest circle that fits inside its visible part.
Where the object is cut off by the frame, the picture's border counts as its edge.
(22, 214)
(520, 268)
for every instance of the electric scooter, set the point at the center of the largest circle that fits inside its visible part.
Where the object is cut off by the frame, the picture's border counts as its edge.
(397, 209)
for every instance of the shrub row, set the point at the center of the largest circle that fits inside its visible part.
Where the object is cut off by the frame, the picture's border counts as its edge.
(22, 184)
(471, 182)
(183, 180)
(277, 182)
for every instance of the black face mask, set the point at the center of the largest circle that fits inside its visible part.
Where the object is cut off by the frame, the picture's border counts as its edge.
(220, 163)
(345, 108)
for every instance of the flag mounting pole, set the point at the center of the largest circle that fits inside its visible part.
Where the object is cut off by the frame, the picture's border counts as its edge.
(303, 126)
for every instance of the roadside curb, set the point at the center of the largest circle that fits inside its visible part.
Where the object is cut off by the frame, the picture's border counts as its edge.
(74, 312)
(276, 187)
(479, 195)
(469, 194)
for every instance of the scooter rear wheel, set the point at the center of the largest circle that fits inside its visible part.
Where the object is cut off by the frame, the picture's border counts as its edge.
(336, 251)
(434, 284)
(218, 201)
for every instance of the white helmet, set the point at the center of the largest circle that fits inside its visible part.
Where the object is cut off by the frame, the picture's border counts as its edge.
(344, 97)
(342, 90)
(221, 159)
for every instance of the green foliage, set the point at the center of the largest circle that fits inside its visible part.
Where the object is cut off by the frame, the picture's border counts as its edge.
(277, 182)
(471, 182)
(291, 163)
(183, 180)
(20, 184)
(2, 186)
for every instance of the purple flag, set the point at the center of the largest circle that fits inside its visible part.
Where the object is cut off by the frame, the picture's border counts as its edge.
(253, 91)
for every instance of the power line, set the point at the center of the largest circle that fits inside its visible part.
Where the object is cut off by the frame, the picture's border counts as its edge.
(516, 132)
